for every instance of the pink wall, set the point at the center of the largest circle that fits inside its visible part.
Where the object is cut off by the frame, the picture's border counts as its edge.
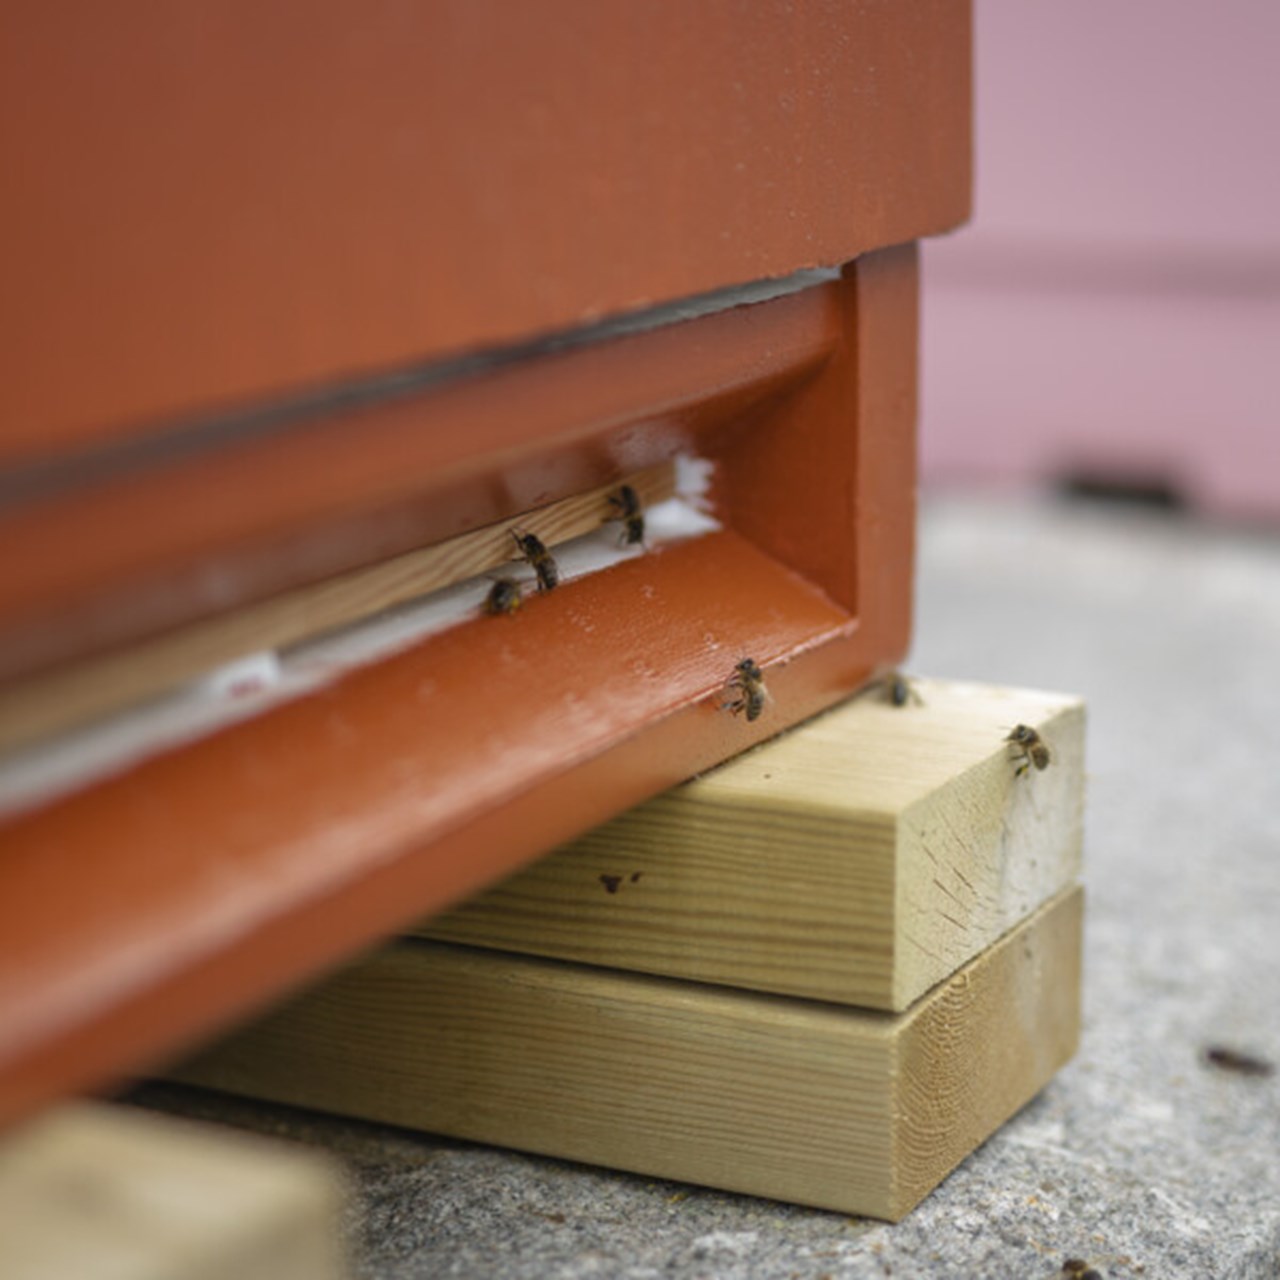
(1115, 306)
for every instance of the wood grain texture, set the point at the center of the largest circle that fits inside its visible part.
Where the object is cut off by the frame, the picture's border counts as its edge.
(847, 1109)
(82, 691)
(109, 1193)
(862, 857)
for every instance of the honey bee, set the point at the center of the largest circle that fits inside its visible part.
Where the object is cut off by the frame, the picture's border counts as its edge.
(504, 596)
(748, 680)
(1079, 1268)
(899, 691)
(630, 513)
(1031, 749)
(536, 553)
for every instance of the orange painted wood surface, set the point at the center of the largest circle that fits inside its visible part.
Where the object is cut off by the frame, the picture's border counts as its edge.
(147, 548)
(211, 205)
(156, 906)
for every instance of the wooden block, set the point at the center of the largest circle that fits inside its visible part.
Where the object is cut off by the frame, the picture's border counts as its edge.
(846, 1109)
(110, 1193)
(862, 857)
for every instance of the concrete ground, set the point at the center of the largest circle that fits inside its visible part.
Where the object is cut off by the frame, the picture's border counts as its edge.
(1141, 1157)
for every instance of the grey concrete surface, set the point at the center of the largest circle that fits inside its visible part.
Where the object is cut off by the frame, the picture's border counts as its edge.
(1140, 1157)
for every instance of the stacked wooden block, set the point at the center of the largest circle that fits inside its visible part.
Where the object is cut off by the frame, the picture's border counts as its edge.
(824, 972)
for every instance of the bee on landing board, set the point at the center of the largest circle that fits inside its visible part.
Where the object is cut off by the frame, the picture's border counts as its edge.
(504, 597)
(533, 550)
(748, 680)
(1029, 747)
(630, 512)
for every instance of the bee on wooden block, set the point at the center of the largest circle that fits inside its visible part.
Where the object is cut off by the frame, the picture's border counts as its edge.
(748, 680)
(630, 512)
(536, 553)
(504, 597)
(899, 691)
(1031, 748)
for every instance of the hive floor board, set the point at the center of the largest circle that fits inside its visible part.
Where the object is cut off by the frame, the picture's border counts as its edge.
(95, 1192)
(862, 857)
(848, 1109)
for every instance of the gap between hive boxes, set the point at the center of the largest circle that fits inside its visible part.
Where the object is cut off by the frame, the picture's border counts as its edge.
(860, 858)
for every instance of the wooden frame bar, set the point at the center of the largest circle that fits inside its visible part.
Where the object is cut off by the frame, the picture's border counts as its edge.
(150, 909)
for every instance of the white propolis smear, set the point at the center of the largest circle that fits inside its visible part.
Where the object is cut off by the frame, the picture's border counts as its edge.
(248, 686)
